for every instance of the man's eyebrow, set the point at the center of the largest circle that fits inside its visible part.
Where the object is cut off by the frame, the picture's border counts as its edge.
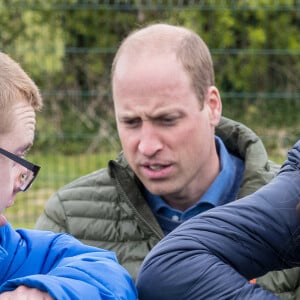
(162, 114)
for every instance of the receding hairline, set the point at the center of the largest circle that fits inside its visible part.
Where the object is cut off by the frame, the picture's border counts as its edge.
(162, 35)
(161, 38)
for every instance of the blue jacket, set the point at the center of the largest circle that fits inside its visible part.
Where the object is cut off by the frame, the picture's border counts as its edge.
(60, 265)
(215, 254)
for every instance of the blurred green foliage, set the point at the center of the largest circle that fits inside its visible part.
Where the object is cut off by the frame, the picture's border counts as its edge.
(68, 46)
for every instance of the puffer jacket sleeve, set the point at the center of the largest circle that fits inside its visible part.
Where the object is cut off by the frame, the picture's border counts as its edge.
(215, 254)
(285, 283)
(75, 194)
(62, 266)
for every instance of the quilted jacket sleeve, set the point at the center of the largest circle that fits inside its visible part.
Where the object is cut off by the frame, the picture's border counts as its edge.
(213, 255)
(285, 283)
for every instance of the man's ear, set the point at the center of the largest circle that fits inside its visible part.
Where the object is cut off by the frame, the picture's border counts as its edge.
(214, 103)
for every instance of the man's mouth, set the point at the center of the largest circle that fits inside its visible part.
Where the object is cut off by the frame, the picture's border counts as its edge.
(155, 167)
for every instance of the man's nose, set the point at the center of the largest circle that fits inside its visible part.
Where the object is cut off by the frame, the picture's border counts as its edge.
(150, 141)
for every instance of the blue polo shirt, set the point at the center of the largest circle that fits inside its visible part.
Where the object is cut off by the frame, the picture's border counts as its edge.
(223, 190)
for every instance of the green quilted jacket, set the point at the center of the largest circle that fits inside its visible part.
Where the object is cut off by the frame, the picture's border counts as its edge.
(107, 209)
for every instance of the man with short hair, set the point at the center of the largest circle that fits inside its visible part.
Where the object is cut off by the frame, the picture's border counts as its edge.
(179, 159)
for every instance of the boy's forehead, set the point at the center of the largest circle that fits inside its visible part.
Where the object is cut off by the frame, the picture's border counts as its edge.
(23, 125)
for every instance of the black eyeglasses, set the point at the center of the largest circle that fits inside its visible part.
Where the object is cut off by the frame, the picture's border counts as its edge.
(26, 178)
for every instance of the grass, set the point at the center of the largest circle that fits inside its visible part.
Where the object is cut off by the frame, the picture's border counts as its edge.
(56, 171)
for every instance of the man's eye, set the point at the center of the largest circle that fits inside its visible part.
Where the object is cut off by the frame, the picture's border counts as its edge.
(132, 122)
(168, 120)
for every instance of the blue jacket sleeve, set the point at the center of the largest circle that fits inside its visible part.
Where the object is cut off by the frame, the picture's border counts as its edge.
(62, 266)
(213, 255)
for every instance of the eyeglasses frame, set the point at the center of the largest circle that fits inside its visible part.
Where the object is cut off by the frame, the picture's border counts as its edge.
(23, 162)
